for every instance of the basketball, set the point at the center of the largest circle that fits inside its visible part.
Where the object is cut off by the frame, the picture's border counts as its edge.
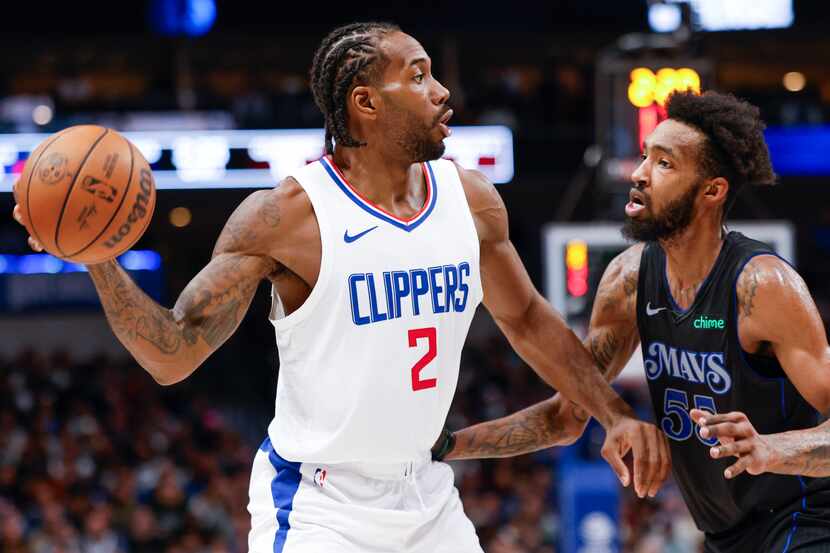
(86, 194)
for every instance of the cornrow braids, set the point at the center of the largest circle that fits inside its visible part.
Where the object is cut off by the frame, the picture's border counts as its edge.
(347, 57)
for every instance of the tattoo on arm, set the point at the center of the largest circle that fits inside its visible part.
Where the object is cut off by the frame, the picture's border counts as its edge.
(807, 452)
(529, 430)
(212, 304)
(746, 289)
(603, 349)
(215, 301)
(132, 315)
(239, 233)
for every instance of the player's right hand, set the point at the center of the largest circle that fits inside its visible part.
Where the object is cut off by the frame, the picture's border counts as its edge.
(650, 450)
(17, 213)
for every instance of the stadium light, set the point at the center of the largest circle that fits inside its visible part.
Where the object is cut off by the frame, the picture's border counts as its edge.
(647, 87)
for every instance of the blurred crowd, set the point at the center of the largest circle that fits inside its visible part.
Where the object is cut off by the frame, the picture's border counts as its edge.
(97, 458)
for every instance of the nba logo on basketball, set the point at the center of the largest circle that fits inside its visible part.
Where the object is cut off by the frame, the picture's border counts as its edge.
(319, 477)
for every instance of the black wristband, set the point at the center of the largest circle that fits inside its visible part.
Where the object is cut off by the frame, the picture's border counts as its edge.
(445, 444)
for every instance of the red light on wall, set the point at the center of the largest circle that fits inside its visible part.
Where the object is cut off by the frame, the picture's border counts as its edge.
(576, 261)
(578, 282)
(647, 120)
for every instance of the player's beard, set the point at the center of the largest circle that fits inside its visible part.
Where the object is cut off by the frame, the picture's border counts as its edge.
(674, 219)
(416, 139)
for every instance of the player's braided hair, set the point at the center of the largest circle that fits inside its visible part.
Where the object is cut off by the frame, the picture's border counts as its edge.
(734, 147)
(347, 57)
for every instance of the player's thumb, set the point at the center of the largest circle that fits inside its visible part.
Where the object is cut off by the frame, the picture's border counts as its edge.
(614, 458)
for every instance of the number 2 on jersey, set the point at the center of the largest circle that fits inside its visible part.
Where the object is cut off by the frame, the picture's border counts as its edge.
(414, 335)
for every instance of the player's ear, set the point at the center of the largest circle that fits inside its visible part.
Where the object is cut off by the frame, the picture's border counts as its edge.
(716, 189)
(364, 101)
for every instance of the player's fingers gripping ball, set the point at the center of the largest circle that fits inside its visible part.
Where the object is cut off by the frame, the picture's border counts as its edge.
(86, 194)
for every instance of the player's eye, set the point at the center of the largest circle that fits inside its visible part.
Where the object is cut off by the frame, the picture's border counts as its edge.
(664, 163)
(419, 78)
(643, 156)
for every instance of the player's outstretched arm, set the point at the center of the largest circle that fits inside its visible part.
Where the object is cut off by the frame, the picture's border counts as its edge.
(544, 341)
(612, 339)
(775, 307)
(171, 343)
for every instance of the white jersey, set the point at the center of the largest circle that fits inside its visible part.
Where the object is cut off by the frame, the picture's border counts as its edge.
(369, 363)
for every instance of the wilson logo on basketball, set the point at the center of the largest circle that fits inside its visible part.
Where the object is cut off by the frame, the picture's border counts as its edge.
(138, 210)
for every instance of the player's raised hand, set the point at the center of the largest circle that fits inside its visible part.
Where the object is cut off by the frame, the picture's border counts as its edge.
(648, 446)
(17, 213)
(738, 438)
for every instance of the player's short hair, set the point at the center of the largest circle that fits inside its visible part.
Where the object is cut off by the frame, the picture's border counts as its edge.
(734, 147)
(349, 56)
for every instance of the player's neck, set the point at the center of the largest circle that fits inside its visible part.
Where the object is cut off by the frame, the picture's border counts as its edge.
(691, 254)
(379, 177)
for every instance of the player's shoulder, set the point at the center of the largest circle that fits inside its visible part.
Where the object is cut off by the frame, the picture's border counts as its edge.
(486, 205)
(626, 265)
(617, 291)
(768, 271)
(266, 219)
(769, 279)
(480, 191)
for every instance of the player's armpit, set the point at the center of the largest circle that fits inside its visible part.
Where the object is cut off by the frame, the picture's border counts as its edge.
(775, 307)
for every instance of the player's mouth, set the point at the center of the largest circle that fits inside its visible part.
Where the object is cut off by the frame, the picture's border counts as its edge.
(442, 123)
(636, 203)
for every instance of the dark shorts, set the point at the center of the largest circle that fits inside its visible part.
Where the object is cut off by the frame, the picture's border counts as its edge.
(792, 530)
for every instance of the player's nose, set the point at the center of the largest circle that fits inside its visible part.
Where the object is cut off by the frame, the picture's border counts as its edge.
(441, 94)
(640, 177)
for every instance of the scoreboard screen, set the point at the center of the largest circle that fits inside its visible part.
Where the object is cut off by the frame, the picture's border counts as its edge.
(212, 159)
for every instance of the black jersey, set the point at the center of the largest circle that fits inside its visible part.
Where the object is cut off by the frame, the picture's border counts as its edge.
(693, 358)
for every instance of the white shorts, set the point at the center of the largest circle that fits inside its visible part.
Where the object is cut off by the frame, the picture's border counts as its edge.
(355, 508)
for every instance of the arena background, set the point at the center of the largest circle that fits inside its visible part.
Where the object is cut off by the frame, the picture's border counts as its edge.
(95, 457)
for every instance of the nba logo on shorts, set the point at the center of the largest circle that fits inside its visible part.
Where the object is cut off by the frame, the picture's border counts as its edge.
(319, 477)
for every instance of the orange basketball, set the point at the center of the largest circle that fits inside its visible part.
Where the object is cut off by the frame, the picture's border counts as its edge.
(86, 194)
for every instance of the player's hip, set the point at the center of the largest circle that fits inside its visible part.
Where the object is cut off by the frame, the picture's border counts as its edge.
(299, 507)
(800, 527)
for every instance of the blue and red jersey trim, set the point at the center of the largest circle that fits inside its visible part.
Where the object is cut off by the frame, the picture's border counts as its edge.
(409, 224)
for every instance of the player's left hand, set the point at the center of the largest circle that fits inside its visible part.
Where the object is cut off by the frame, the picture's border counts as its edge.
(738, 438)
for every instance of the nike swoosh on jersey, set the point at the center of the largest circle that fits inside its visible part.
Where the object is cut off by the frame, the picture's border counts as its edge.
(650, 311)
(349, 239)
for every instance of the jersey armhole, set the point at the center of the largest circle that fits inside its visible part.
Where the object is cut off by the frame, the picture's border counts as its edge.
(277, 315)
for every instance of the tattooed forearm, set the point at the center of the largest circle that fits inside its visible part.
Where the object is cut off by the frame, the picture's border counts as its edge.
(133, 316)
(537, 427)
(803, 452)
(170, 344)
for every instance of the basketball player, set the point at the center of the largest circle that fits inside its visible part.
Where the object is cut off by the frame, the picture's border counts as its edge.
(378, 254)
(731, 341)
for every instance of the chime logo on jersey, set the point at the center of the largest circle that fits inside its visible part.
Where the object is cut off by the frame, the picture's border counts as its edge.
(699, 367)
(394, 294)
(704, 322)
